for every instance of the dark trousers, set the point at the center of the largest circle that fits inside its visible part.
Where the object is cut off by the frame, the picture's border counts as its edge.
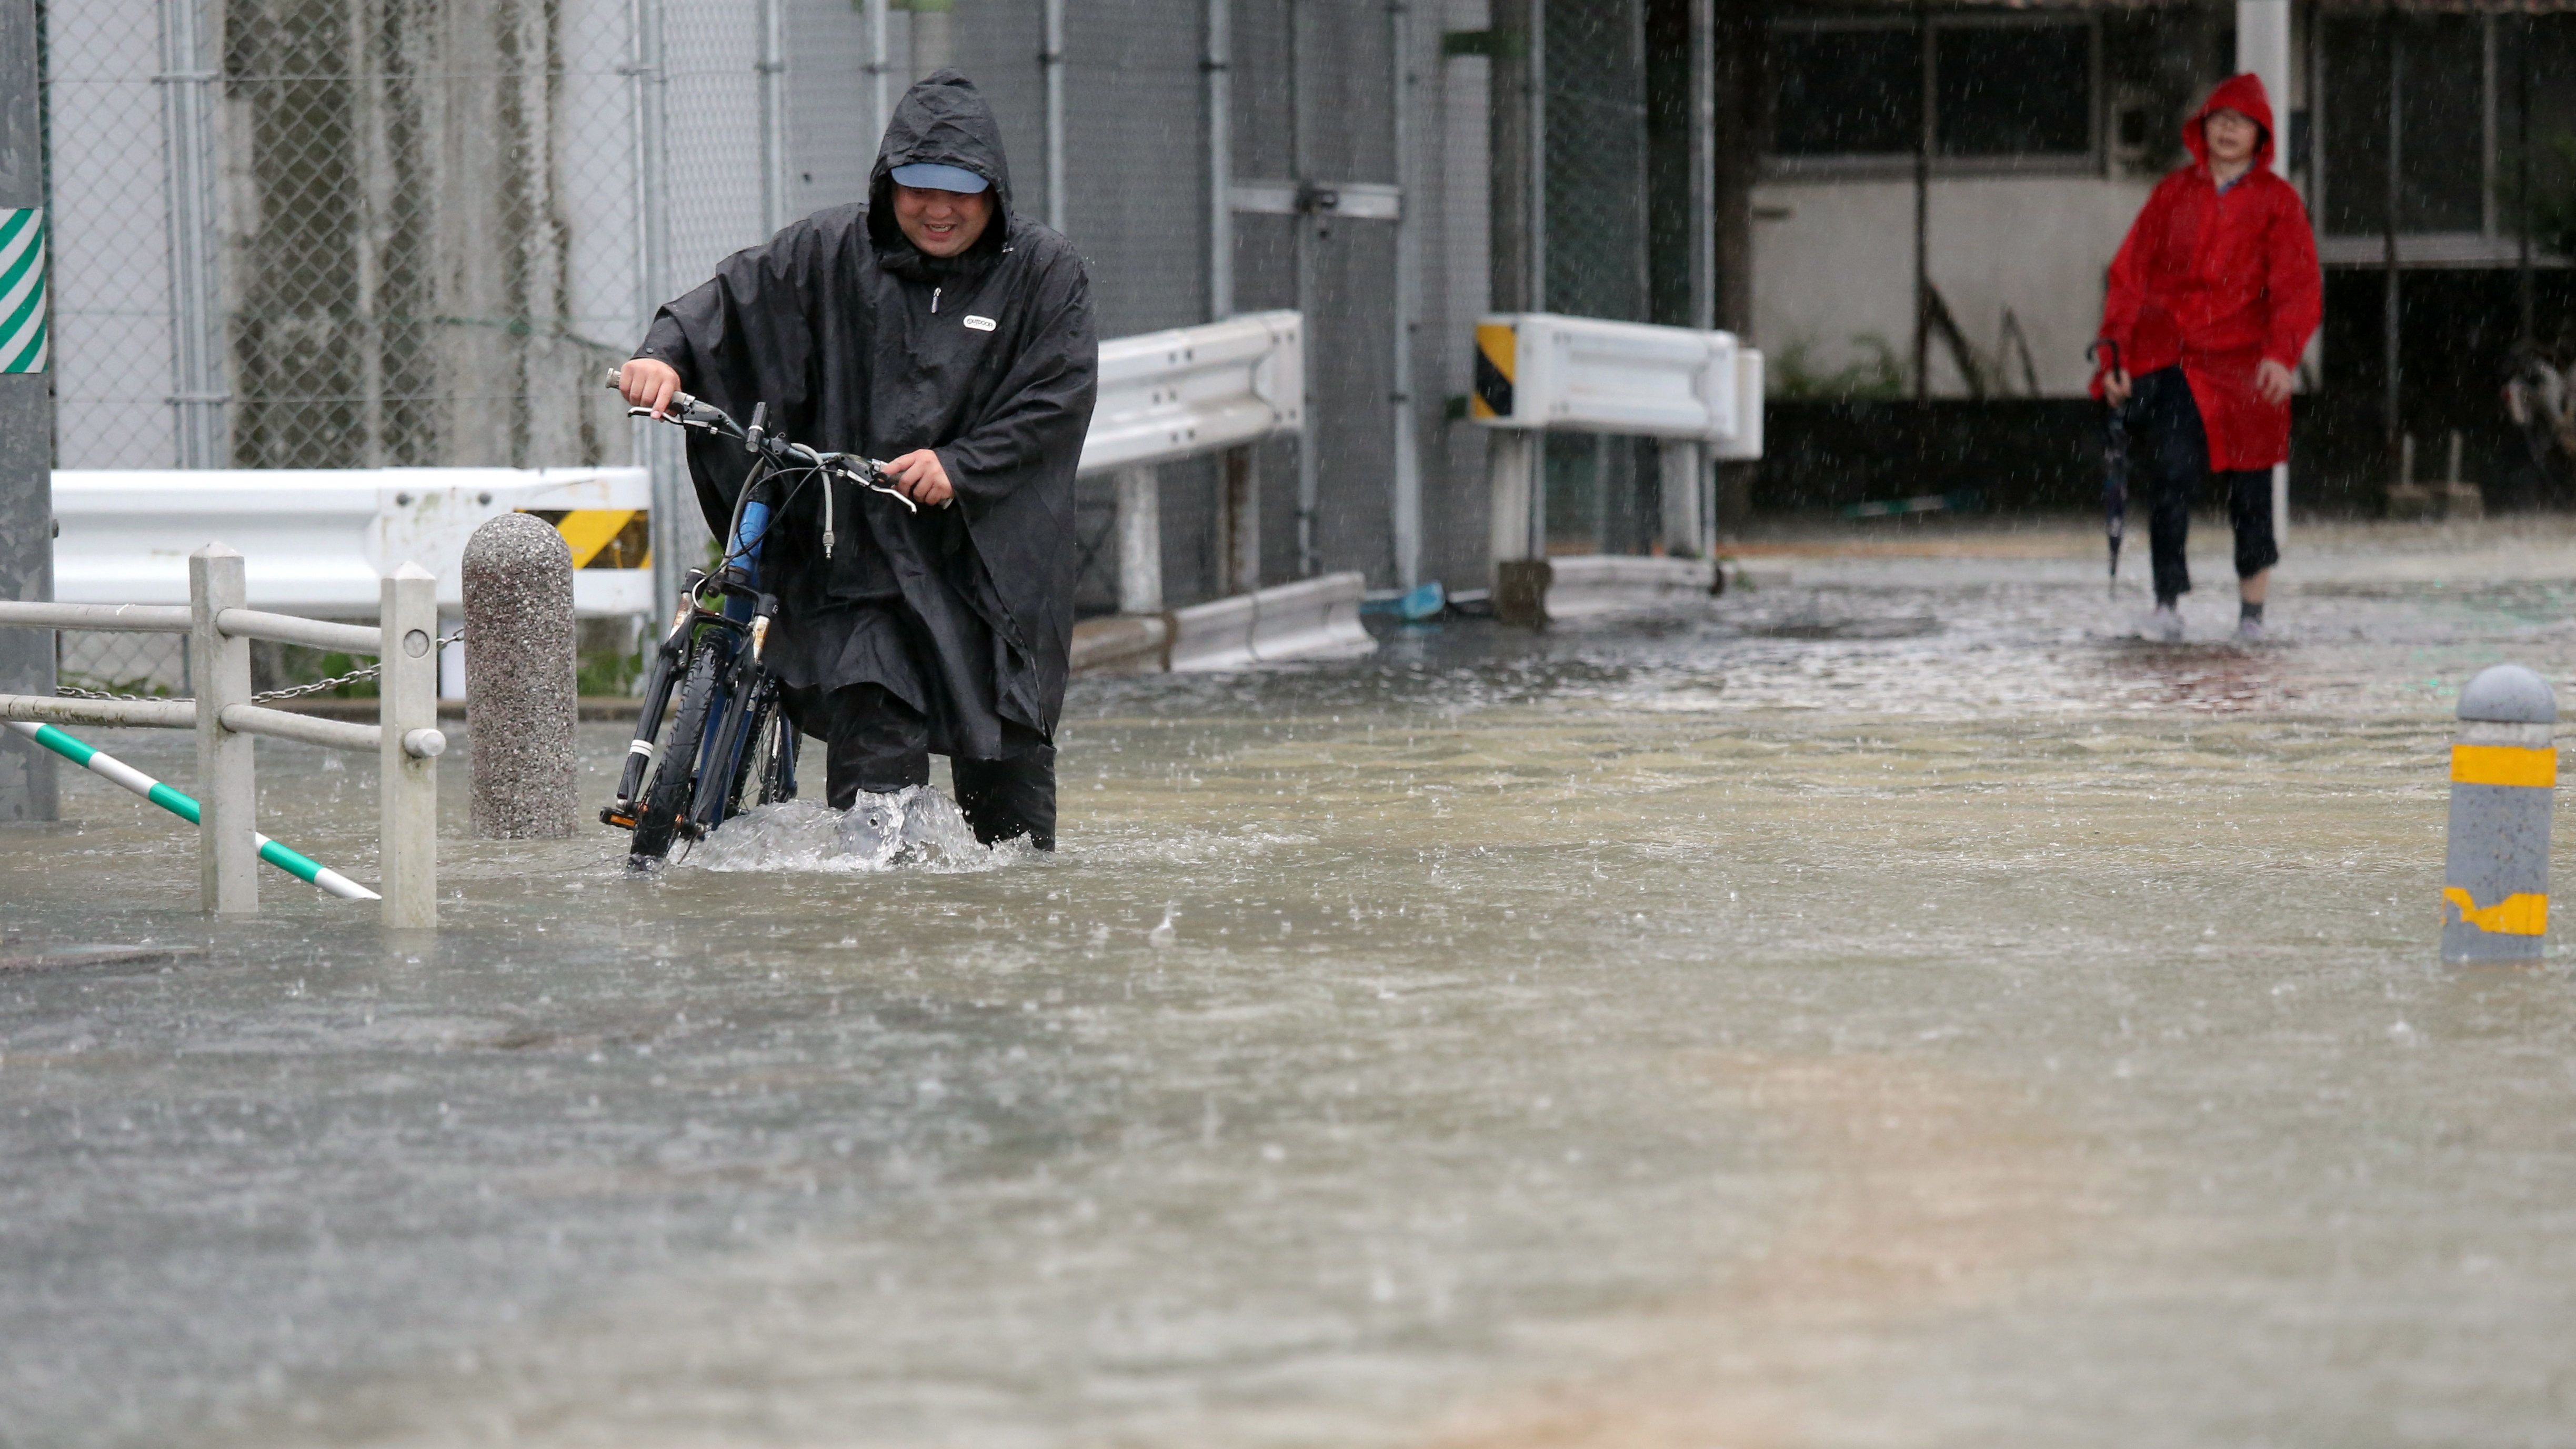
(875, 742)
(2168, 421)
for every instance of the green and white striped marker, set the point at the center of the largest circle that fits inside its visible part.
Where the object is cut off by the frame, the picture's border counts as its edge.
(22, 291)
(108, 767)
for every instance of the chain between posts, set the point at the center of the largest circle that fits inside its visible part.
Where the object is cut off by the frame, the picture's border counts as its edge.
(359, 675)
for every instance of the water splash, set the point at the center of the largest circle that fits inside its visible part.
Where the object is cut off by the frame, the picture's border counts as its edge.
(914, 828)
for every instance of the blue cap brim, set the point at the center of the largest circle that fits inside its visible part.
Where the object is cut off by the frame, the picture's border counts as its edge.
(931, 176)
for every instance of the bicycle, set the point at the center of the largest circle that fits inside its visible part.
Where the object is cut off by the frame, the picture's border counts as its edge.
(728, 736)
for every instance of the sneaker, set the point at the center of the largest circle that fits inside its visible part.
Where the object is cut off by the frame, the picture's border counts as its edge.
(2164, 626)
(2249, 631)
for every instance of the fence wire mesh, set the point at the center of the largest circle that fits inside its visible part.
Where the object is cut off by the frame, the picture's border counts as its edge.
(1596, 179)
(355, 233)
(145, 664)
(358, 233)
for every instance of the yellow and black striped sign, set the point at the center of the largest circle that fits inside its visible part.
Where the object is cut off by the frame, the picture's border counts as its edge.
(1497, 363)
(603, 538)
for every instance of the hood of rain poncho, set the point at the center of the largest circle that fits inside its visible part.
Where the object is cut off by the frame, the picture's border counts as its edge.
(941, 121)
(2240, 93)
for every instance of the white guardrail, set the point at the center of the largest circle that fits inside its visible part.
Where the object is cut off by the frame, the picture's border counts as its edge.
(1536, 370)
(1317, 618)
(220, 624)
(1699, 392)
(1165, 396)
(1588, 585)
(320, 540)
(1186, 393)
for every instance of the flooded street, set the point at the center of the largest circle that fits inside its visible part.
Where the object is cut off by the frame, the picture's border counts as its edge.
(1888, 1008)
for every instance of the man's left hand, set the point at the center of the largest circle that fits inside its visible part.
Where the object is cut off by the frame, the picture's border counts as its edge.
(2272, 382)
(921, 478)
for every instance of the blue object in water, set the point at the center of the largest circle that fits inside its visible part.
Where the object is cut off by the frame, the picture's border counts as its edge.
(1416, 605)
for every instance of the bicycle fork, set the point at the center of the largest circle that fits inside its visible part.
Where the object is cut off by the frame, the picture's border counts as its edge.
(659, 681)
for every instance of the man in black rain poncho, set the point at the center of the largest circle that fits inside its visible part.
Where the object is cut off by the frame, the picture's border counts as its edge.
(935, 329)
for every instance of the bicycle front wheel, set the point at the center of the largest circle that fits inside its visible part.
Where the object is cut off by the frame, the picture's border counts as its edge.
(675, 761)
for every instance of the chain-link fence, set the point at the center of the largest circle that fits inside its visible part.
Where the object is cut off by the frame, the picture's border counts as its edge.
(344, 233)
(356, 233)
(1596, 177)
(364, 233)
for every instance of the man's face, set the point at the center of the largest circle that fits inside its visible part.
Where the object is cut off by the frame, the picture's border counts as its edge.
(2232, 136)
(941, 223)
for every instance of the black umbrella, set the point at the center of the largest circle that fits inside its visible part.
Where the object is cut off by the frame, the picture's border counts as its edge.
(2115, 465)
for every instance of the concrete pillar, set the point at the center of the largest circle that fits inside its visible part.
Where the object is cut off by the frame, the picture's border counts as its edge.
(1140, 542)
(2504, 782)
(520, 668)
(26, 415)
(408, 762)
(227, 791)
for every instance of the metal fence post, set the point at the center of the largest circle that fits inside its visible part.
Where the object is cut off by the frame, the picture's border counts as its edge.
(772, 71)
(1406, 505)
(1051, 62)
(196, 327)
(650, 121)
(1238, 521)
(408, 713)
(1304, 262)
(1140, 541)
(880, 61)
(934, 44)
(1219, 65)
(1512, 459)
(1535, 250)
(227, 790)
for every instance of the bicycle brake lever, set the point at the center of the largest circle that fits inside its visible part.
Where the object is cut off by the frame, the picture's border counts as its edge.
(873, 480)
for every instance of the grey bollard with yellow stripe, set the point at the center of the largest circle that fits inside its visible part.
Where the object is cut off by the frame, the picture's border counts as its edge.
(2504, 778)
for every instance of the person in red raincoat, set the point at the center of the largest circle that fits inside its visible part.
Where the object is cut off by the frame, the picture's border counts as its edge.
(2212, 298)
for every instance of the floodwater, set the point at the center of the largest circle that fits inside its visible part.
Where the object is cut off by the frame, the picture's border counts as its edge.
(1890, 1009)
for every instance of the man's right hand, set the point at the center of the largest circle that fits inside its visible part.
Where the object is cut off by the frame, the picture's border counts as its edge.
(645, 383)
(2115, 386)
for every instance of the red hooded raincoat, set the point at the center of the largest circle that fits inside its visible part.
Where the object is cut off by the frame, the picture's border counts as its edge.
(2219, 282)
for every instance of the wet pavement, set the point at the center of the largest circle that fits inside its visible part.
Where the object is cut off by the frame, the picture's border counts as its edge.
(1892, 1009)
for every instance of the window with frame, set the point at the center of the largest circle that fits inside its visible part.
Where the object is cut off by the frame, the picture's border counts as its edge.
(2004, 88)
(2464, 80)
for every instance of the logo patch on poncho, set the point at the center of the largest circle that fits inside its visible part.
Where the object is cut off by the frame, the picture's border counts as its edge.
(979, 324)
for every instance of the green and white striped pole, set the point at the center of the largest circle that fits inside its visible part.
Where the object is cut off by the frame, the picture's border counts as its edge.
(23, 319)
(108, 767)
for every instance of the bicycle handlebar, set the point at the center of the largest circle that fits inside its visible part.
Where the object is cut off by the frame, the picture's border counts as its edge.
(690, 412)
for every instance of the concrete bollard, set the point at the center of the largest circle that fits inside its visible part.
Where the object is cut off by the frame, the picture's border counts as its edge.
(2504, 780)
(520, 678)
